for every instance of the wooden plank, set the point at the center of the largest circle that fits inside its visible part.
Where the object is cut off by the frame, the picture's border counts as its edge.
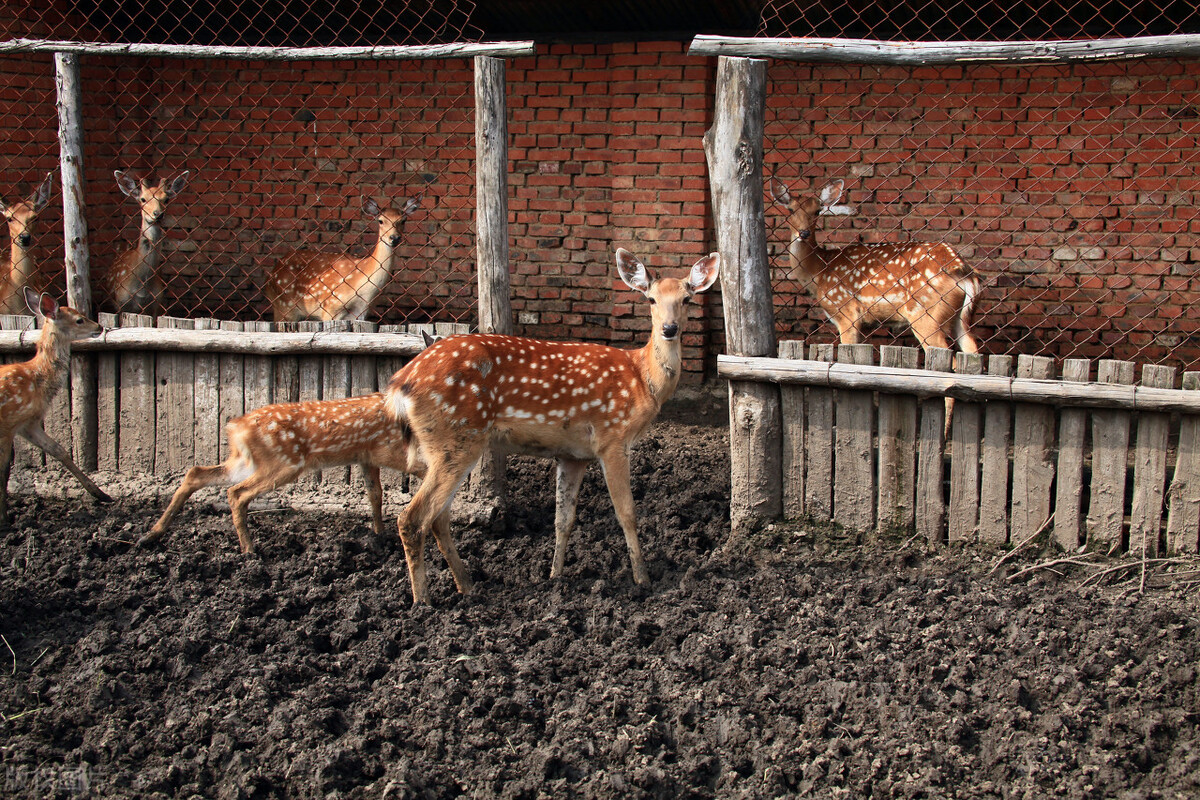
(335, 385)
(966, 444)
(1033, 446)
(1072, 436)
(232, 369)
(1150, 468)
(792, 408)
(108, 400)
(994, 470)
(854, 474)
(260, 373)
(175, 428)
(272, 52)
(818, 438)
(930, 511)
(897, 447)
(309, 388)
(208, 421)
(1110, 459)
(387, 366)
(136, 421)
(286, 371)
(1183, 516)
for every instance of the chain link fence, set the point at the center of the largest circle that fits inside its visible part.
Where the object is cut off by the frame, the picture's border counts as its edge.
(1070, 190)
(230, 167)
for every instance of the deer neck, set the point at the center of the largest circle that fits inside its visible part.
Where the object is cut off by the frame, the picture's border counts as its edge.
(380, 265)
(53, 358)
(150, 245)
(659, 364)
(20, 264)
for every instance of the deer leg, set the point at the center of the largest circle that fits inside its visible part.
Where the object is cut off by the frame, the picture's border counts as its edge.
(241, 494)
(570, 478)
(6, 455)
(441, 534)
(374, 496)
(616, 475)
(446, 472)
(38, 436)
(195, 479)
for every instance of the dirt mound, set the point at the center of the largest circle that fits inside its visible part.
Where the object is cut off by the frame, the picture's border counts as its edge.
(795, 664)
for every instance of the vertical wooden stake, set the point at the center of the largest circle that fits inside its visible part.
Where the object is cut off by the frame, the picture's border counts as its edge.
(79, 292)
(733, 147)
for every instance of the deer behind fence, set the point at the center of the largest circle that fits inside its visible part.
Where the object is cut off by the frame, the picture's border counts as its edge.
(311, 285)
(135, 281)
(924, 285)
(19, 268)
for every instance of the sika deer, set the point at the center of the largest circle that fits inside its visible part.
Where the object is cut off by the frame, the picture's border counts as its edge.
(19, 268)
(310, 285)
(26, 389)
(571, 401)
(276, 444)
(135, 280)
(925, 285)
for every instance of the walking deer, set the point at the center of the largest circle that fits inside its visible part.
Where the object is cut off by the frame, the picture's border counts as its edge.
(26, 389)
(924, 285)
(276, 444)
(571, 401)
(135, 280)
(311, 285)
(16, 273)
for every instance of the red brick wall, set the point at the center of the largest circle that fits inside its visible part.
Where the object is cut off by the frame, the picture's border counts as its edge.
(1069, 189)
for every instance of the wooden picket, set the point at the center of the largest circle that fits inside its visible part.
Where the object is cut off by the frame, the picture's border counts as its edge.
(1110, 464)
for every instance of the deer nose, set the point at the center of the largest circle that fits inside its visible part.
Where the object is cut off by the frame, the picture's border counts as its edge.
(670, 330)
(24, 239)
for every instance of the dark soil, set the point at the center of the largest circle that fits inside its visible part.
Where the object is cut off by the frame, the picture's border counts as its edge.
(797, 663)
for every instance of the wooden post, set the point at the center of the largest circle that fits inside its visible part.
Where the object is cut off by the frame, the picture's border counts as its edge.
(818, 444)
(897, 447)
(733, 147)
(854, 465)
(930, 511)
(792, 464)
(1033, 443)
(1072, 431)
(994, 472)
(1110, 454)
(79, 292)
(482, 495)
(965, 458)
(1183, 517)
(1150, 467)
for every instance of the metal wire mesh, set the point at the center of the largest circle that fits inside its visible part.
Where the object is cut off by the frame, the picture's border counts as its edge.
(1069, 189)
(280, 156)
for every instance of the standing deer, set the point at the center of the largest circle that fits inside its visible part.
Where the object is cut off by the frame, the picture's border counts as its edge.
(276, 444)
(310, 285)
(571, 401)
(135, 281)
(26, 389)
(14, 275)
(925, 285)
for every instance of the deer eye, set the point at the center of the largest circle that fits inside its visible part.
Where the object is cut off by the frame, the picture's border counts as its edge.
(652, 300)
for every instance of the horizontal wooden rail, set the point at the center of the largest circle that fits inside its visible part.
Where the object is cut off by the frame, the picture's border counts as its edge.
(964, 387)
(375, 53)
(870, 51)
(243, 342)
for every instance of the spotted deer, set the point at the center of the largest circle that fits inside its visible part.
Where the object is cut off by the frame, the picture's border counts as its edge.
(135, 279)
(571, 401)
(311, 285)
(27, 388)
(924, 285)
(274, 445)
(15, 274)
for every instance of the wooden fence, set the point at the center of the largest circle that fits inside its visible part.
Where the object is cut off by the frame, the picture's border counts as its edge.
(1105, 464)
(162, 397)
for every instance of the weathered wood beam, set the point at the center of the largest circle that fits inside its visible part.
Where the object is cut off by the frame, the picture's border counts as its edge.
(221, 341)
(264, 53)
(870, 51)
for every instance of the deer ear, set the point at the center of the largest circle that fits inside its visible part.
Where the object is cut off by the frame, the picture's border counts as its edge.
(177, 185)
(412, 204)
(33, 301)
(704, 273)
(632, 271)
(128, 186)
(42, 196)
(780, 193)
(831, 193)
(429, 340)
(370, 207)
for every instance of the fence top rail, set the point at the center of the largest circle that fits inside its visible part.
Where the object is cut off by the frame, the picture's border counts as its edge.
(871, 51)
(243, 342)
(265, 53)
(964, 387)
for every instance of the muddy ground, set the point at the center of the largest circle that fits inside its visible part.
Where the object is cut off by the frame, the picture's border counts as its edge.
(794, 664)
